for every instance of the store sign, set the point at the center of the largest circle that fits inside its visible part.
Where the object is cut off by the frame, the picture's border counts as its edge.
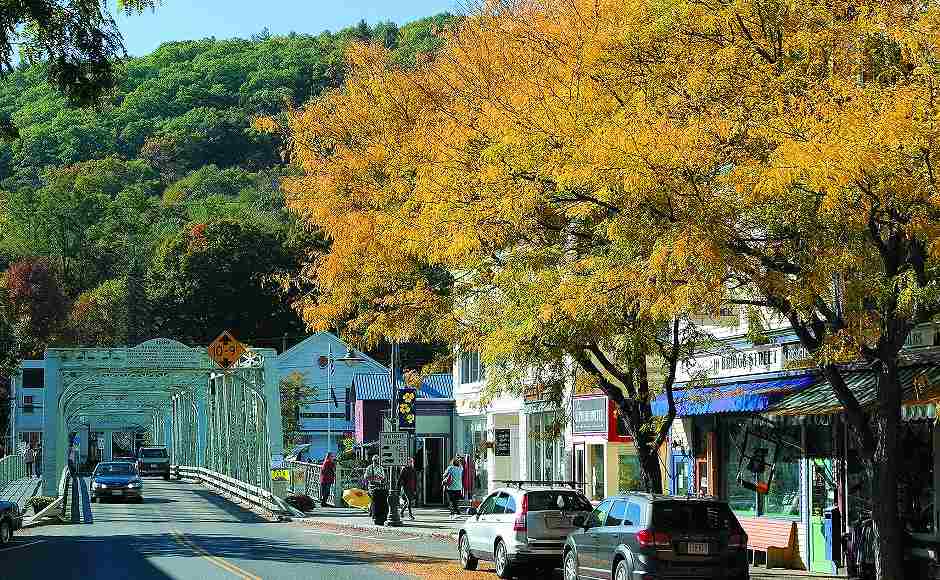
(589, 415)
(503, 442)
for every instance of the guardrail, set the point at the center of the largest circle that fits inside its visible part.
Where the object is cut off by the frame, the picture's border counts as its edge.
(305, 477)
(12, 467)
(252, 494)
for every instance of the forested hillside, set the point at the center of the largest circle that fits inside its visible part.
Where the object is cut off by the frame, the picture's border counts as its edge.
(159, 212)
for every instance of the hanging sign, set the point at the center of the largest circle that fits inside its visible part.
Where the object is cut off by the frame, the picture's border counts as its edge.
(503, 444)
(225, 350)
(407, 396)
(589, 415)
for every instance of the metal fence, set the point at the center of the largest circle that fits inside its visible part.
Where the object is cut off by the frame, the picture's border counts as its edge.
(12, 467)
(305, 478)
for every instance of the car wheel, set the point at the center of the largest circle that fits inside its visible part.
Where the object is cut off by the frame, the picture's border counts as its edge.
(621, 572)
(6, 532)
(571, 566)
(467, 561)
(501, 557)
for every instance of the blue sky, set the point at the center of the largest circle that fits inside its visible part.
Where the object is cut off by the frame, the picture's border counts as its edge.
(192, 19)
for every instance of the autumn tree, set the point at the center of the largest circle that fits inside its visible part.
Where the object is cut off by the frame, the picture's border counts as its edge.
(294, 391)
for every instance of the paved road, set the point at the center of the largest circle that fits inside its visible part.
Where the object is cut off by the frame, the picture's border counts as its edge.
(183, 531)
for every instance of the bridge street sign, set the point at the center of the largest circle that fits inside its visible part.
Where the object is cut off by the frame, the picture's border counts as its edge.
(225, 350)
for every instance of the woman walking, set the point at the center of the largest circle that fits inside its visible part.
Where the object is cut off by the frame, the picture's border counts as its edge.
(453, 483)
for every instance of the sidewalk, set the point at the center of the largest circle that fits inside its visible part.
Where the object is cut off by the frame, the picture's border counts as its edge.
(429, 522)
(436, 523)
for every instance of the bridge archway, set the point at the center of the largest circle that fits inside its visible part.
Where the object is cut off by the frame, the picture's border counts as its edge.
(228, 421)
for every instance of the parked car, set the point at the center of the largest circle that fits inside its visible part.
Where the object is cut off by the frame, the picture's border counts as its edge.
(520, 526)
(639, 536)
(11, 519)
(116, 479)
(154, 461)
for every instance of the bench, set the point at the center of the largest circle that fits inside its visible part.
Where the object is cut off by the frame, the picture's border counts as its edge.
(772, 543)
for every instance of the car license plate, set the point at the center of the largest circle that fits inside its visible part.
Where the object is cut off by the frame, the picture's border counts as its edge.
(697, 548)
(118, 492)
(558, 522)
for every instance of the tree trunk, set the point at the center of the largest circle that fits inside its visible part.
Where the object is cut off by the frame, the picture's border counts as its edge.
(888, 553)
(636, 422)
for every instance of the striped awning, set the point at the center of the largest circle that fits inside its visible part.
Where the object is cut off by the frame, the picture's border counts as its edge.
(921, 386)
(377, 387)
(734, 397)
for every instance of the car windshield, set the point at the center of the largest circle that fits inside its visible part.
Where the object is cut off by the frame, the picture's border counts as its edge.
(676, 516)
(114, 469)
(153, 453)
(548, 500)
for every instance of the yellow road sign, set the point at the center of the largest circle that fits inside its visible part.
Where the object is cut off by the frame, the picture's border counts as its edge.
(280, 475)
(225, 350)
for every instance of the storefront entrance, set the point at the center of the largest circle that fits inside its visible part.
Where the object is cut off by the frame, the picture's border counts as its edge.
(682, 475)
(822, 499)
(430, 457)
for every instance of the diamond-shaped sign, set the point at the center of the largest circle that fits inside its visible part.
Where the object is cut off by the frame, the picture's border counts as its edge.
(225, 350)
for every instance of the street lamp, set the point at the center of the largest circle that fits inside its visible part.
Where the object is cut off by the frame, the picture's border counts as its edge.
(394, 495)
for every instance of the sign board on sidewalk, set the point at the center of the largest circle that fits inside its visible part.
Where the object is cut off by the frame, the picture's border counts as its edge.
(503, 443)
(280, 475)
(225, 350)
(394, 448)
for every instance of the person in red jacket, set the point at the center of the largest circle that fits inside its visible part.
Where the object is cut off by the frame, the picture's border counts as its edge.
(327, 478)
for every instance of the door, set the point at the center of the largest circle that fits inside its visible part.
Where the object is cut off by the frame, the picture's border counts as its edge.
(682, 475)
(608, 538)
(434, 463)
(588, 561)
(478, 528)
(578, 471)
(822, 497)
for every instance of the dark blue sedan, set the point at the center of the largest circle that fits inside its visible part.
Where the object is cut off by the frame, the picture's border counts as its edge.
(116, 479)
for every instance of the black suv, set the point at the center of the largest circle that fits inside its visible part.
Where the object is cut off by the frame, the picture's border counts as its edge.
(642, 536)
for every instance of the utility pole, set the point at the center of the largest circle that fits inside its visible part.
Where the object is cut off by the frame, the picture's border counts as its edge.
(394, 519)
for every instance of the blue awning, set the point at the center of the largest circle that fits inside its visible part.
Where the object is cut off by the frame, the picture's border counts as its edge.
(378, 386)
(740, 397)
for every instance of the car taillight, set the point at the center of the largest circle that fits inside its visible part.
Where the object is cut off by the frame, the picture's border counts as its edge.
(737, 540)
(520, 524)
(649, 538)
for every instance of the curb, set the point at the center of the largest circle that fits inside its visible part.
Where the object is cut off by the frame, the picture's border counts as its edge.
(363, 527)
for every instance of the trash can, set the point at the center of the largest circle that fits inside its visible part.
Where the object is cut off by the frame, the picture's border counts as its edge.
(379, 506)
(832, 531)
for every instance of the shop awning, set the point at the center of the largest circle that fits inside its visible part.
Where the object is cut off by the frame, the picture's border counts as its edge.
(921, 390)
(739, 397)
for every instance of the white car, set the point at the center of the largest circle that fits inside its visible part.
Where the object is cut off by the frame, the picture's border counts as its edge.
(520, 525)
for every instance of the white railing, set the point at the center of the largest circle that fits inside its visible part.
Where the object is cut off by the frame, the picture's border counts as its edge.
(246, 492)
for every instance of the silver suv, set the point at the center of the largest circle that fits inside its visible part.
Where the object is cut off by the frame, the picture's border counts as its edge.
(521, 525)
(154, 461)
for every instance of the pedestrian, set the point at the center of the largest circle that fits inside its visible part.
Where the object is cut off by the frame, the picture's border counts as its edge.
(408, 480)
(327, 478)
(39, 459)
(453, 484)
(72, 456)
(377, 483)
(28, 457)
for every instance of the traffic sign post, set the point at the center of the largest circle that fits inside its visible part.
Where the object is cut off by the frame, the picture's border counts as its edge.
(225, 350)
(394, 448)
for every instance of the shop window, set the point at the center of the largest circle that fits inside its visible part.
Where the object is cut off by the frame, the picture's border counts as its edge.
(546, 451)
(628, 474)
(27, 404)
(783, 499)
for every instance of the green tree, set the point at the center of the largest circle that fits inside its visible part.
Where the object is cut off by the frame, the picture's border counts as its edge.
(294, 390)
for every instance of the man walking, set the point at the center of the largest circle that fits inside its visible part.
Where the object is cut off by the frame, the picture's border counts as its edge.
(378, 491)
(408, 480)
(327, 478)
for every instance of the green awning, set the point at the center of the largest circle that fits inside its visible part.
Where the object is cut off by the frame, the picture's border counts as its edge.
(921, 385)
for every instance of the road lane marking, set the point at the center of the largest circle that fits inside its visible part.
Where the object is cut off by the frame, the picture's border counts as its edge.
(363, 537)
(221, 563)
(22, 545)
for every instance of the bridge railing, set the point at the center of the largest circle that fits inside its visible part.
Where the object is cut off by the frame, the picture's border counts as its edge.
(12, 467)
(305, 478)
(246, 492)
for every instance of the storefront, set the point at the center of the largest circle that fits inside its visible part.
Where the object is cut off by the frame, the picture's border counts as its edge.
(602, 456)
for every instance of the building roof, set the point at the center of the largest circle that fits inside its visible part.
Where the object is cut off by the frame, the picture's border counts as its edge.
(300, 352)
(377, 387)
